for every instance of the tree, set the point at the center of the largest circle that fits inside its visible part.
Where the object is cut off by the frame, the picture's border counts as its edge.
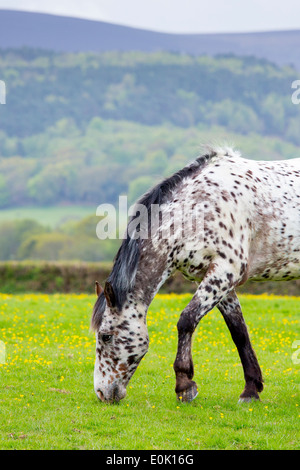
(273, 111)
(293, 130)
(138, 187)
(53, 183)
(4, 193)
(14, 233)
(155, 162)
(235, 116)
(45, 246)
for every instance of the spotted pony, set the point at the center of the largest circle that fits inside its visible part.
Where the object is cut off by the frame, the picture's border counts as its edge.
(250, 230)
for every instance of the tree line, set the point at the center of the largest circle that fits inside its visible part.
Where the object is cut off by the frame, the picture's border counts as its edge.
(244, 94)
(74, 240)
(87, 127)
(110, 158)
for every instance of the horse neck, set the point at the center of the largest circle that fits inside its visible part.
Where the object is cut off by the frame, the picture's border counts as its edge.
(151, 274)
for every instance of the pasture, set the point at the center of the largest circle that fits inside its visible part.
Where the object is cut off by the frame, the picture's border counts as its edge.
(50, 216)
(47, 399)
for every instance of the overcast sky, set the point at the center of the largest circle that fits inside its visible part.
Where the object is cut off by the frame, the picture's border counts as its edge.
(177, 16)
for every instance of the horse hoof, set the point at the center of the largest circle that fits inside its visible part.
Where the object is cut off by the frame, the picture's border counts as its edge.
(189, 394)
(248, 399)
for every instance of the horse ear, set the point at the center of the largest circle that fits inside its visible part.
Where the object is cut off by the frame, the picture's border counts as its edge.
(109, 294)
(98, 288)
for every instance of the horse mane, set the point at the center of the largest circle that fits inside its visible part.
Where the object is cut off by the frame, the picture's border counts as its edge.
(123, 274)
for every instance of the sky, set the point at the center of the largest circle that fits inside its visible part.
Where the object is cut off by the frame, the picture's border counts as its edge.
(176, 16)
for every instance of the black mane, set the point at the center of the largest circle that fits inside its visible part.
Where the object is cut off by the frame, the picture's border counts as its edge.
(122, 276)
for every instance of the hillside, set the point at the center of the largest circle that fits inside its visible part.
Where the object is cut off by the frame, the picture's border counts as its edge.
(243, 94)
(86, 127)
(81, 129)
(64, 34)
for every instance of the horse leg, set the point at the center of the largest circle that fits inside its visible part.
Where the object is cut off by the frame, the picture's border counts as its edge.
(232, 313)
(216, 284)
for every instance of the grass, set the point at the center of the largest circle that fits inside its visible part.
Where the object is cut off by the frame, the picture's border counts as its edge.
(46, 384)
(50, 216)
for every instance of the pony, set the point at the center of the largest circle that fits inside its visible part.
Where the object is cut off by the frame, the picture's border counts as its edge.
(221, 220)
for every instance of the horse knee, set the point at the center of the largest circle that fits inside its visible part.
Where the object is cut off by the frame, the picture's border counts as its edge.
(184, 368)
(186, 323)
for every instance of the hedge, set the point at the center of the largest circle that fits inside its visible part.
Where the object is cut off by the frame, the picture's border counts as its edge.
(79, 277)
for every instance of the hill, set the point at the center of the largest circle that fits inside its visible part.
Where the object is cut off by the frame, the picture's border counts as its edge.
(64, 34)
(82, 128)
(244, 94)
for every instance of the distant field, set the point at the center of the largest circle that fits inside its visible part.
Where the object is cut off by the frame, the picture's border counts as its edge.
(50, 216)
(46, 382)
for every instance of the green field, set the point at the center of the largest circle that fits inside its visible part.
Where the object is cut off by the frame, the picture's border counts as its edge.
(50, 216)
(46, 382)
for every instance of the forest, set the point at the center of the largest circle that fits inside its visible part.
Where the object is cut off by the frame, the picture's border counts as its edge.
(84, 128)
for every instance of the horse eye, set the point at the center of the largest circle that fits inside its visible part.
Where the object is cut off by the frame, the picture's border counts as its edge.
(106, 338)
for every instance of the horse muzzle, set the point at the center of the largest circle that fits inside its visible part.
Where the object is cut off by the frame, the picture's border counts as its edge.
(114, 394)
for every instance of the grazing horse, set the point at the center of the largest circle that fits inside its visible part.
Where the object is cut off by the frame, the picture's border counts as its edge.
(250, 229)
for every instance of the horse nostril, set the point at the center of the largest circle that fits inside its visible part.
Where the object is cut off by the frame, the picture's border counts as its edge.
(118, 393)
(100, 395)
